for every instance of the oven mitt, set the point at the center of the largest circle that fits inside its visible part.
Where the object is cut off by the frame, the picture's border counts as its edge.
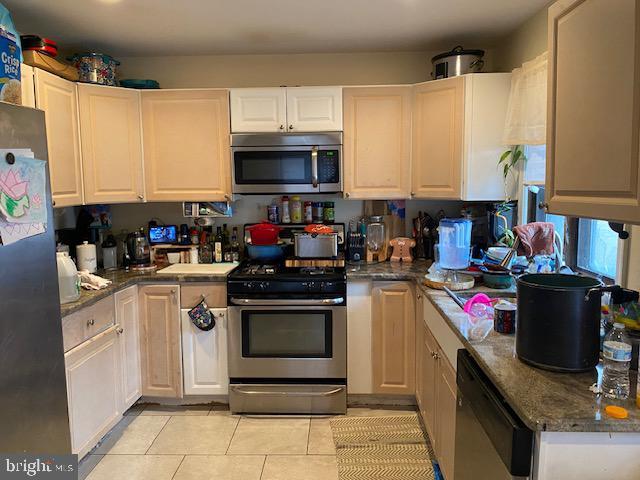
(202, 317)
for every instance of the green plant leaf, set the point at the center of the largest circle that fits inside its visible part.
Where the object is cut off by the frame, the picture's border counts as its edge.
(504, 156)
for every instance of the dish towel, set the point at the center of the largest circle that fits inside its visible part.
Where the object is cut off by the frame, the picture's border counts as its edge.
(89, 281)
(536, 238)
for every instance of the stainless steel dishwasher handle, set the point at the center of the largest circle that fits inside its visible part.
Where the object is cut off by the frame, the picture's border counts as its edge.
(283, 303)
(314, 166)
(276, 393)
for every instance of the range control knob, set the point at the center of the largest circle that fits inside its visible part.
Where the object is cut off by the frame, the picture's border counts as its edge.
(263, 285)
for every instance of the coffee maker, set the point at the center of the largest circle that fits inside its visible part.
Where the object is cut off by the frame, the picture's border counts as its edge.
(138, 250)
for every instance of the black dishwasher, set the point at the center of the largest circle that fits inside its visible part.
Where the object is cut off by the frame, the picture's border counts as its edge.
(491, 441)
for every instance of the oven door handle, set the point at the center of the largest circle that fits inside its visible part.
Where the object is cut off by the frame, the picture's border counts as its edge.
(314, 166)
(282, 303)
(277, 393)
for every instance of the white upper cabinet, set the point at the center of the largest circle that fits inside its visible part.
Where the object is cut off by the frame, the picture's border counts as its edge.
(258, 109)
(314, 109)
(593, 94)
(28, 87)
(286, 109)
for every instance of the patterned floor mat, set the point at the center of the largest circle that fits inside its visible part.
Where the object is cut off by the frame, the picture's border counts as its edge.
(381, 448)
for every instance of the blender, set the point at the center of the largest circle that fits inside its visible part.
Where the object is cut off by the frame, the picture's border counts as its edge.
(454, 247)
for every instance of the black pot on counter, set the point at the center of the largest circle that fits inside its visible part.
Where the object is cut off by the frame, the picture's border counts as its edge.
(558, 323)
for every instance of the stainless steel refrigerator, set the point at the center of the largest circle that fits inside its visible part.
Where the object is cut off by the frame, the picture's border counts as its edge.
(33, 392)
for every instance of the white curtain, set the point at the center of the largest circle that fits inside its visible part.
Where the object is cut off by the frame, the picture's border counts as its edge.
(527, 109)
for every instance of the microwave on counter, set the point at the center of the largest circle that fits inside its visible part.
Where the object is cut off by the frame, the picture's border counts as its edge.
(287, 163)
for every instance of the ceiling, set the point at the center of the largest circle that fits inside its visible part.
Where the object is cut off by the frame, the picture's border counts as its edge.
(198, 27)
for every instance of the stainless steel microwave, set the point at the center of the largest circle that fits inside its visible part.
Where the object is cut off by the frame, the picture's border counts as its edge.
(287, 163)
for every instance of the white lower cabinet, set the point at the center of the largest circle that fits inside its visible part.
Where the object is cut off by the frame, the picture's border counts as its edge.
(94, 386)
(204, 356)
(129, 331)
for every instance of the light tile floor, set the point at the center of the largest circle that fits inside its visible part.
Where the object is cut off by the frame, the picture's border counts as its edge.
(203, 443)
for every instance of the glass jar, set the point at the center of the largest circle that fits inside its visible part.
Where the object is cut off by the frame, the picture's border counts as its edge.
(329, 212)
(308, 212)
(375, 234)
(318, 212)
(296, 209)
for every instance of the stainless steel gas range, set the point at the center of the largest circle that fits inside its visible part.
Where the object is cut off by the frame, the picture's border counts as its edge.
(287, 339)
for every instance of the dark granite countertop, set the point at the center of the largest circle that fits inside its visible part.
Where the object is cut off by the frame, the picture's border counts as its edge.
(389, 270)
(545, 401)
(122, 279)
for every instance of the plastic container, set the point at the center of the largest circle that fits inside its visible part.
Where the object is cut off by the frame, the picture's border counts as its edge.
(296, 209)
(455, 243)
(616, 352)
(68, 279)
(286, 217)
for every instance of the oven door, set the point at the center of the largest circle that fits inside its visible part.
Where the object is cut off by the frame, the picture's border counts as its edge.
(287, 339)
(286, 169)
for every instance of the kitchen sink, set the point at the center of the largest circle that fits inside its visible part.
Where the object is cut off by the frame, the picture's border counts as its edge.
(198, 269)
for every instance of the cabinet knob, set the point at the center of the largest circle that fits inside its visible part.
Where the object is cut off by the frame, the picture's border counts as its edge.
(418, 296)
(119, 330)
(53, 203)
(347, 194)
(173, 291)
(290, 127)
(91, 322)
(140, 197)
(227, 198)
(413, 194)
(281, 127)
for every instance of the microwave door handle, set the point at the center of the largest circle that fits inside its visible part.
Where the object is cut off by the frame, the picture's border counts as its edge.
(314, 166)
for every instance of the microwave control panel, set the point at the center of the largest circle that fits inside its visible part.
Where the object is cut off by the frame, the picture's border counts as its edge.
(329, 166)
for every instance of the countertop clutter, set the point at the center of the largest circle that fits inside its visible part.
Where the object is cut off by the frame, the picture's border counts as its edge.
(545, 401)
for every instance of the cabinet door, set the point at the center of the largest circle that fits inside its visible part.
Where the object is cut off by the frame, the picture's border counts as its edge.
(204, 356)
(129, 331)
(111, 142)
(160, 346)
(428, 353)
(593, 113)
(314, 109)
(28, 86)
(186, 145)
(377, 142)
(93, 389)
(59, 100)
(446, 416)
(258, 110)
(438, 125)
(393, 338)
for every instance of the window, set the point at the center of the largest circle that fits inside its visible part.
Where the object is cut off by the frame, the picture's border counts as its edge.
(588, 245)
(597, 248)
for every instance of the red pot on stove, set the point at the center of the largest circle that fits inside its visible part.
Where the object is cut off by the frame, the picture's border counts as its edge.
(264, 233)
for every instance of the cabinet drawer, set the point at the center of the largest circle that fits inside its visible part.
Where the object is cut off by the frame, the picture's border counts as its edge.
(88, 322)
(215, 295)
